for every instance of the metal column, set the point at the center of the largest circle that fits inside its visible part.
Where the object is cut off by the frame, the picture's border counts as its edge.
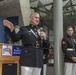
(58, 34)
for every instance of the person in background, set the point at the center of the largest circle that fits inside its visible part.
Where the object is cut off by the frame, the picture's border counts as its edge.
(33, 39)
(45, 60)
(69, 50)
(51, 52)
(47, 53)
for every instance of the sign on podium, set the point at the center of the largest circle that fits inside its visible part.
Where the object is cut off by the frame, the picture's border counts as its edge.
(9, 54)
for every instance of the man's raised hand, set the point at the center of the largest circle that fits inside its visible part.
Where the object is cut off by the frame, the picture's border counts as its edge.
(8, 24)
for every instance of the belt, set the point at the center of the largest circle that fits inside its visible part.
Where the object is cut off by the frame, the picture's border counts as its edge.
(32, 45)
(70, 49)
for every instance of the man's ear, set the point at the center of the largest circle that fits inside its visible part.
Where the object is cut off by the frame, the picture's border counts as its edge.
(30, 19)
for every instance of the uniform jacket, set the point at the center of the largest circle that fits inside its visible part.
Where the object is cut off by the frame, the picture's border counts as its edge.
(69, 48)
(30, 55)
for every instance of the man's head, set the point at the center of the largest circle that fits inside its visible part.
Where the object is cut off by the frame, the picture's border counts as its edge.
(34, 19)
(69, 30)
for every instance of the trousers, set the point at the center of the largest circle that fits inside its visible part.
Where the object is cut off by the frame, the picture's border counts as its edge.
(30, 70)
(44, 69)
(70, 69)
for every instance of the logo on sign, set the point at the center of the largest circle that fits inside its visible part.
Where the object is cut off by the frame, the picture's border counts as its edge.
(7, 50)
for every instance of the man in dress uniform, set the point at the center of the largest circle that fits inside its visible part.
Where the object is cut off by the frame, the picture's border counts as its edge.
(31, 58)
(45, 59)
(69, 49)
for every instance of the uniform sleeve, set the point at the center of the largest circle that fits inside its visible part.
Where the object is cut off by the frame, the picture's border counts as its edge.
(46, 44)
(15, 37)
(75, 44)
(64, 48)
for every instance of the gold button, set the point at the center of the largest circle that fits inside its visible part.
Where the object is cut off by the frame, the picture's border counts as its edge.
(26, 51)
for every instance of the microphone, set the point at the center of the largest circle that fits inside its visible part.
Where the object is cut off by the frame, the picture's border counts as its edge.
(41, 29)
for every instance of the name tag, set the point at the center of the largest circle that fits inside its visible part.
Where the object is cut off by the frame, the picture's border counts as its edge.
(70, 49)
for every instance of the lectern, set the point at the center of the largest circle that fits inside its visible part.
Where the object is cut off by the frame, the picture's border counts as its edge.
(9, 59)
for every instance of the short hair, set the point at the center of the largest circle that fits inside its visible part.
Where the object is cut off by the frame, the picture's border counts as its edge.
(34, 14)
(69, 27)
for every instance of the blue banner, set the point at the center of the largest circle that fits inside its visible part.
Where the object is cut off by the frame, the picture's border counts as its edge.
(16, 50)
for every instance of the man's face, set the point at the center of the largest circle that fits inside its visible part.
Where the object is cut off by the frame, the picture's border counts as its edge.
(34, 19)
(69, 31)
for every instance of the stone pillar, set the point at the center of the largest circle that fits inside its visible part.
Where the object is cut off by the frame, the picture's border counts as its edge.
(25, 10)
(58, 34)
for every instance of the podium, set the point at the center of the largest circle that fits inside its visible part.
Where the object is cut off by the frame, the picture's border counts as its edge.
(8, 63)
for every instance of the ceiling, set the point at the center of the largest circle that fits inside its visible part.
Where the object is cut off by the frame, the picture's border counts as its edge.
(45, 8)
(6, 7)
